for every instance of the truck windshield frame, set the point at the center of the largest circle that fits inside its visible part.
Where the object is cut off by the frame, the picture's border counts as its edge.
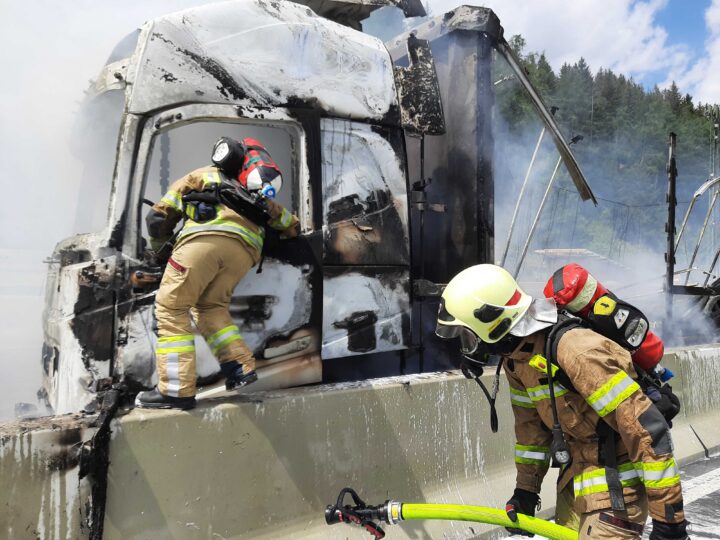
(180, 117)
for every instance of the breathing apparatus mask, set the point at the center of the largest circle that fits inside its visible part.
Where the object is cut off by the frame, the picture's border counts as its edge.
(259, 173)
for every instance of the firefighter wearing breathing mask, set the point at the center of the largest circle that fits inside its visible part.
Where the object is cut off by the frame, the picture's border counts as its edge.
(612, 444)
(215, 248)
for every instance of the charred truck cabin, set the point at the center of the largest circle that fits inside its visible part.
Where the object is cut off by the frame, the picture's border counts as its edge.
(358, 128)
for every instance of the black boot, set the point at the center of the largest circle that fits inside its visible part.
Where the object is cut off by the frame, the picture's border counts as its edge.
(235, 377)
(153, 399)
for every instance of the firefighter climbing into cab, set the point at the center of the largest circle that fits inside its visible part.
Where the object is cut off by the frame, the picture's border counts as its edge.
(578, 400)
(226, 208)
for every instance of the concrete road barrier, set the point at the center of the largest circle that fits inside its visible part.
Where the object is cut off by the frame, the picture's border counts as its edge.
(266, 464)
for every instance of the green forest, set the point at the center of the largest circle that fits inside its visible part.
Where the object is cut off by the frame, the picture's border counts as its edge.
(623, 153)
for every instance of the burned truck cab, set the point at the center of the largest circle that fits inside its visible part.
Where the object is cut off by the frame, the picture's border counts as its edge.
(357, 128)
(322, 98)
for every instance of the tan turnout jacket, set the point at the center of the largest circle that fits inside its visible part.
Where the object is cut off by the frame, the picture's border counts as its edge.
(167, 212)
(602, 373)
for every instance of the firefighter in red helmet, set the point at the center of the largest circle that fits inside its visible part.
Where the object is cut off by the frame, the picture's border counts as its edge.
(216, 247)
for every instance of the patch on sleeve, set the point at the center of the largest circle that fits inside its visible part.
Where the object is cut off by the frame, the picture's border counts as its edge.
(654, 423)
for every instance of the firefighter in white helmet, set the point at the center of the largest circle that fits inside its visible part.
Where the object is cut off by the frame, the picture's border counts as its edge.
(612, 444)
(215, 248)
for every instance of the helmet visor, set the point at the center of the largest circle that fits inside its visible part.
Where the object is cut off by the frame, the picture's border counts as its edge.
(469, 342)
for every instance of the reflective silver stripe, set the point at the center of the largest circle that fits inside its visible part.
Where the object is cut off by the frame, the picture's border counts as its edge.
(173, 344)
(543, 392)
(622, 385)
(659, 475)
(286, 218)
(583, 299)
(589, 482)
(628, 475)
(520, 399)
(596, 481)
(540, 456)
(172, 369)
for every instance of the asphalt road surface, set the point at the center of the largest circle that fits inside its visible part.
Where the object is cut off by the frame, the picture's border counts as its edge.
(701, 494)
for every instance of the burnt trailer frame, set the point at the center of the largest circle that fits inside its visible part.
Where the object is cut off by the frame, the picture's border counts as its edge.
(451, 169)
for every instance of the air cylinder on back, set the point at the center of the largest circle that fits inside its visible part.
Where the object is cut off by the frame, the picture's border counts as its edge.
(574, 289)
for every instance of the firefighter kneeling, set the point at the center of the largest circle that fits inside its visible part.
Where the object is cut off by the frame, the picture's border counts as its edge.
(583, 409)
(215, 248)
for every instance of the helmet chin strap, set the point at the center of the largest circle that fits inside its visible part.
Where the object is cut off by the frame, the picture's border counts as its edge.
(472, 368)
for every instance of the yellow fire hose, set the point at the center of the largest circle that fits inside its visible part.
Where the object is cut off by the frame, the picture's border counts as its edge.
(491, 516)
(393, 512)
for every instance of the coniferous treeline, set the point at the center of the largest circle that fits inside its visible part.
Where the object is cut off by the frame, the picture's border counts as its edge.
(624, 151)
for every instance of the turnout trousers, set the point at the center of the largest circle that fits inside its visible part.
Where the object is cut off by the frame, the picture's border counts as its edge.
(199, 279)
(604, 524)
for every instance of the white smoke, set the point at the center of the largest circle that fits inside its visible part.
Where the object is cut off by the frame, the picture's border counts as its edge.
(49, 51)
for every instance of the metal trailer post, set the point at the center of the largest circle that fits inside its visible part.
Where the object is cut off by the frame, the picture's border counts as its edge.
(520, 197)
(670, 230)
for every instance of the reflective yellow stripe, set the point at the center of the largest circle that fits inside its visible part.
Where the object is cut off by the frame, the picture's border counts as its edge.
(596, 482)
(224, 337)
(532, 455)
(520, 399)
(611, 394)
(210, 178)
(213, 337)
(283, 221)
(176, 344)
(224, 225)
(659, 474)
(167, 350)
(173, 199)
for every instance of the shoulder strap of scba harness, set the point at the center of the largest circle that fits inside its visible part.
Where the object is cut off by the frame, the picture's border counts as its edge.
(565, 323)
(607, 450)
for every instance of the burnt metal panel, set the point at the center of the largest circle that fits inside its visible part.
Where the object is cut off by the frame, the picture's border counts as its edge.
(352, 12)
(460, 162)
(364, 195)
(365, 310)
(220, 53)
(418, 91)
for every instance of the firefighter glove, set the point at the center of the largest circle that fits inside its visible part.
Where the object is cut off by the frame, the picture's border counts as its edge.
(522, 502)
(669, 531)
(668, 404)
